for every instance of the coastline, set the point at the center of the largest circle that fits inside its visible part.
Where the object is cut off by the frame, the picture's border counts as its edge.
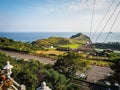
(32, 36)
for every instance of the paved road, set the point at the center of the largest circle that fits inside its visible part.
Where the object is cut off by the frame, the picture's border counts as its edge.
(97, 72)
(94, 74)
(27, 56)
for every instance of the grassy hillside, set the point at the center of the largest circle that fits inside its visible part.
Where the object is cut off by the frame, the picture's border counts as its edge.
(79, 39)
(44, 45)
(72, 42)
(9, 44)
(52, 41)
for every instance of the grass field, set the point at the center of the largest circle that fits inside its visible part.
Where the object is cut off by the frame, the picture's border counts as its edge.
(72, 46)
(99, 63)
(50, 52)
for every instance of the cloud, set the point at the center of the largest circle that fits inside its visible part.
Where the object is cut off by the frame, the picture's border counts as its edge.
(58, 17)
(88, 5)
(76, 24)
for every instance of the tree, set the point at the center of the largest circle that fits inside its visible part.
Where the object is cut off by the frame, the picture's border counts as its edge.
(56, 80)
(31, 73)
(70, 63)
(28, 74)
(115, 77)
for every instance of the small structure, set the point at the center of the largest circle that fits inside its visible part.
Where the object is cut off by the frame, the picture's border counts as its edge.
(108, 51)
(81, 76)
(6, 82)
(43, 87)
(51, 47)
(8, 69)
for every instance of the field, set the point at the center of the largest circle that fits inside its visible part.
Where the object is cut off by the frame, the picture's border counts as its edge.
(72, 46)
(50, 52)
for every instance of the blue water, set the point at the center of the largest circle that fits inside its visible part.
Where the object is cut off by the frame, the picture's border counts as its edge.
(32, 36)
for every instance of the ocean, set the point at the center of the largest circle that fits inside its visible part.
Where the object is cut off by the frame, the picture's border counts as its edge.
(32, 36)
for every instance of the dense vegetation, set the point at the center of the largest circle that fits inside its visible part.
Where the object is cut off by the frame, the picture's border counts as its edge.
(60, 75)
(31, 73)
(25, 47)
(115, 76)
(109, 45)
(70, 63)
(51, 47)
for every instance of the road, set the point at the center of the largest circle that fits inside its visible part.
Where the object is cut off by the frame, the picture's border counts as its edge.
(27, 57)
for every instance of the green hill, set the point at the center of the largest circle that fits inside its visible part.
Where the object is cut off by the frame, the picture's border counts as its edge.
(18, 46)
(52, 41)
(75, 40)
(79, 39)
(72, 42)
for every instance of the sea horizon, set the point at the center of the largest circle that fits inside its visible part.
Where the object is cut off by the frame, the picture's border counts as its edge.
(32, 36)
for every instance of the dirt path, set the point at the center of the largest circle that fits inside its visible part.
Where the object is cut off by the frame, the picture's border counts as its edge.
(27, 56)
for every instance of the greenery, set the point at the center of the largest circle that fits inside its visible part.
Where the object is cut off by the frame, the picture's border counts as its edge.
(31, 73)
(25, 47)
(72, 46)
(69, 64)
(72, 42)
(51, 47)
(59, 81)
(115, 76)
(79, 39)
(99, 63)
(110, 45)
(60, 75)
(51, 41)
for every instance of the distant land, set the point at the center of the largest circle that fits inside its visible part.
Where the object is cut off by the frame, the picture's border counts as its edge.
(78, 39)
(32, 36)
(74, 41)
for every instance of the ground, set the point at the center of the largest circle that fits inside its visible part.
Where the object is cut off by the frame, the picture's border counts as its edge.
(97, 72)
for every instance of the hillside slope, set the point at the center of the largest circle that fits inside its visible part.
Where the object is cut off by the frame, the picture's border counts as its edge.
(52, 41)
(57, 41)
(79, 39)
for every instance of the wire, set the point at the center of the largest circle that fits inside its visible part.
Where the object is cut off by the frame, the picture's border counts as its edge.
(92, 18)
(108, 21)
(112, 26)
(103, 18)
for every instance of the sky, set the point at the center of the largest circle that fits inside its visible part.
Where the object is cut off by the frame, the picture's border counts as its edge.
(57, 15)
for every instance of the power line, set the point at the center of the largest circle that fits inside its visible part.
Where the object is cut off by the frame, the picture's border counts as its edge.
(108, 21)
(103, 18)
(112, 26)
(92, 18)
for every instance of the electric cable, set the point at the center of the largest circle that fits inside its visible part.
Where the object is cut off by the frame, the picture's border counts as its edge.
(91, 24)
(108, 21)
(103, 18)
(112, 25)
